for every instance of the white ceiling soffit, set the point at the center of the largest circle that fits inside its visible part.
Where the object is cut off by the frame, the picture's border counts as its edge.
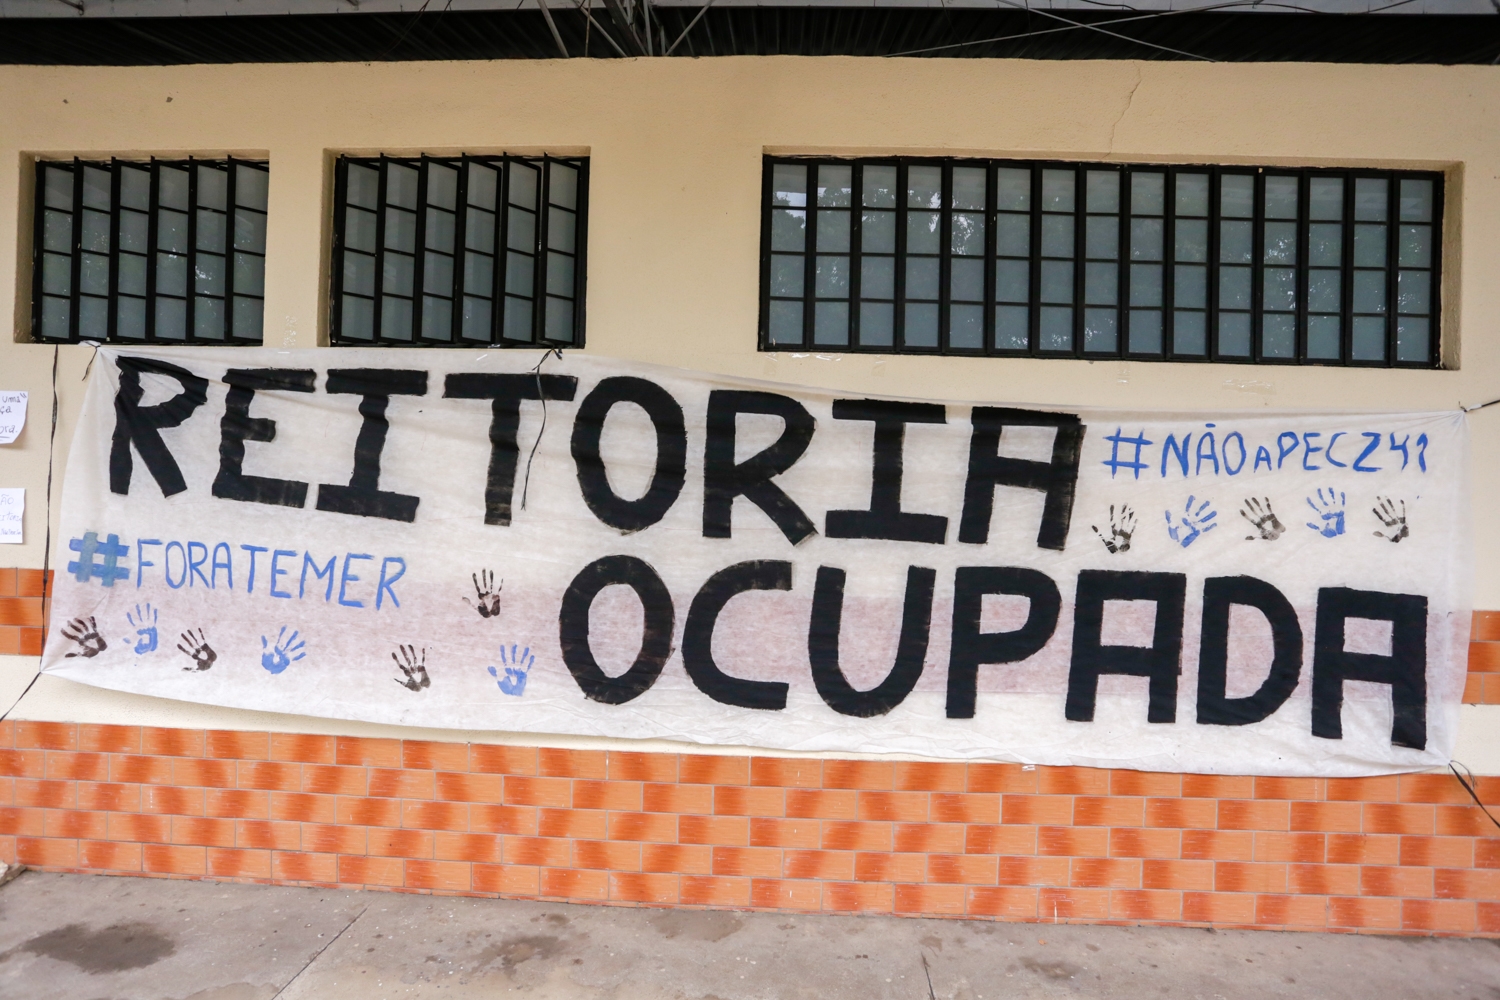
(220, 8)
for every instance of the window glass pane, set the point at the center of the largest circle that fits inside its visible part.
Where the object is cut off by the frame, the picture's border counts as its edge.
(132, 274)
(924, 187)
(251, 186)
(1235, 241)
(519, 274)
(831, 277)
(922, 278)
(1279, 336)
(1057, 281)
(213, 186)
(130, 319)
(58, 188)
(172, 231)
(1146, 239)
(517, 319)
(786, 322)
(208, 318)
(395, 318)
(1057, 236)
(968, 188)
(172, 188)
(439, 231)
(400, 230)
(208, 274)
(1103, 236)
(96, 184)
(1145, 331)
(1103, 191)
(479, 274)
(877, 324)
(250, 274)
(563, 191)
(210, 235)
(483, 183)
(1058, 190)
(789, 186)
(57, 231)
(1190, 334)
(477, 319)
(835, 185)
(922, 232)
(1012, 235)
(831, 323)
(1323, 337)
(1234, 335)
(93, 274)
(966, 327)
(560, 320)
(1145, 285)
(1370, 199)
(1191, 194)
(358, 319)
(1324, 288)
(1147, 194)
(1369, 246)
(1012, 281)
(442, 186)
(1100, 330)
(93, 318)
(1325, 198)
(968, 234)
(562, 228)
(134, 229)
(401, 185)
(1010, 328)
(788, 272)
(248, 315)
(560, 275)
(1237, 196)
(1369, 291)
(879, 187)
(878, 232)
(250, 230)
(1280, 243)
(1416, 202)
(1415, 244)
(96, 231)
(1190, 287)
(479, 230)
(1013, 189)
(1101, 284)
(877, 278)
(57, 314)
(171, 319)
(1414, 292)
(1412, 339)
(788, 229)
(1325, 244)
(520, 233)
(171, 274)
(1057, 328)
(359, 229)
(1369, 338)
(833, 231)
(966, 280)
(437, 274)
(437, 318)
(363, 186)
(1281, 197)
(1191, 240)
(921, 325)
(523, 185)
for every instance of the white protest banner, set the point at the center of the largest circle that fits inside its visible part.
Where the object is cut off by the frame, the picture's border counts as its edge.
(509, 541)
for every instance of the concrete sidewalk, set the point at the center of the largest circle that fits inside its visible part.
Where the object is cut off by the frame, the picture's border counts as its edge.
(91, 936)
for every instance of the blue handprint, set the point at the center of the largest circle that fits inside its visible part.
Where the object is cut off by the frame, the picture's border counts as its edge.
(278, 657)
(1191, 523)
(517, 669)
(143, 620)
(1330, 512)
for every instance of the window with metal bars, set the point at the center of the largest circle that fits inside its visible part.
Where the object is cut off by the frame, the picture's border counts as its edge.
(466, 251)
(157, 251)
(1090, 260)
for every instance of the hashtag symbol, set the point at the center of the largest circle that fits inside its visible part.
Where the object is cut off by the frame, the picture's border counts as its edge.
(1115, 462)
(89, 546)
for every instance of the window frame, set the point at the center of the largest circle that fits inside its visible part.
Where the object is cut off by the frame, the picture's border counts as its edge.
(540, 248)
(153, 167)
(1167, 308)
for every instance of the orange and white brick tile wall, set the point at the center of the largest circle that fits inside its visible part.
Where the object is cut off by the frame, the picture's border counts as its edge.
(1408, 853)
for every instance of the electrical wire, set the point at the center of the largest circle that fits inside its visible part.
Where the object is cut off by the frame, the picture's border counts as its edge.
(1469, 786)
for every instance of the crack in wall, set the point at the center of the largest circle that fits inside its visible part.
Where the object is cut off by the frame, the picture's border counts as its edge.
(1130, 100)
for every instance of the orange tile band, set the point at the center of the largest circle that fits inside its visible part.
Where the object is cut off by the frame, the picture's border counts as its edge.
(1408, 854)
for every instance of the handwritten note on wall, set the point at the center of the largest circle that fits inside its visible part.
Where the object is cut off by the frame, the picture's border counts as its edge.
(12, 416)
(12, 508)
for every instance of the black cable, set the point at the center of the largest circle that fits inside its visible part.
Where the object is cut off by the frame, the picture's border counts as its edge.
(1453, 766)
(537, 371)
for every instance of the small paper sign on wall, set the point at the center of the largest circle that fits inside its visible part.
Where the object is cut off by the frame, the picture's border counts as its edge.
(12, 416)
(12, 513)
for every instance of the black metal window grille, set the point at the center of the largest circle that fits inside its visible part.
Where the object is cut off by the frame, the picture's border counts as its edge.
(468, 251)
(1086, 260)
(163, 251)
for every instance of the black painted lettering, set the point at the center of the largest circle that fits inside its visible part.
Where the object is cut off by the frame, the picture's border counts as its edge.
(505, 392)
(989, 469)
(656, 638)
(363, 496)
(1161, 661)
(698, 634)
(140, 425)
(885, 518)
(911, 648)
(724, 479)
(972, 648)
(237, 426)
(1219, 594)
(671, 452)
(1405, 669)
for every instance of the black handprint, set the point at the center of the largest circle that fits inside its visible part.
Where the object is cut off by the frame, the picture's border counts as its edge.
(414, 669)
(84, 632)
(1120, 530)
(202, 653)
(1394, 523)
(1263, 519)
(487, 593)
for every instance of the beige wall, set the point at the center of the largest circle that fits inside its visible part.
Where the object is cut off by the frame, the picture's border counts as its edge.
(676, 150)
